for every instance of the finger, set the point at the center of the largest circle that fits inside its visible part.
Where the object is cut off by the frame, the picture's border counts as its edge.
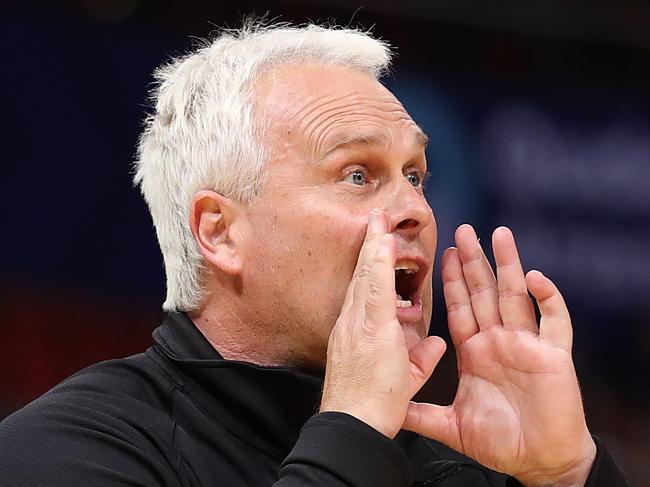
(435, 422)
(479, 277)
(460, 315)
(424, 356)
(377, 226)
(555, 325)
(515, 307)
(380, 299)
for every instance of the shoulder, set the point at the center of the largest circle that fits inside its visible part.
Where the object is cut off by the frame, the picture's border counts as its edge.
(139, 378)
(132, 390)
(111, 419)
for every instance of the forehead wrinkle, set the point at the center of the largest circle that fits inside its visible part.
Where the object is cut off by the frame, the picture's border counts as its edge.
(367, 138)
(344, 139)
(330, 105)
(349, 113)
(349, 116)
(357, 100)
(355, 106)
(312, 106)
(317, 130)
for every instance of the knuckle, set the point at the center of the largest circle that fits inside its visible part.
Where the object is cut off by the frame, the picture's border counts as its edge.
(363, 271)
(375, 292)
(371, 235)
(481, 287)
(367, 331)
(507, 293)
(454, 306)
(474, 255)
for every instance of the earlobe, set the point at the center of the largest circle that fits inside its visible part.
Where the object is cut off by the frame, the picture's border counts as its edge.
(212, 218)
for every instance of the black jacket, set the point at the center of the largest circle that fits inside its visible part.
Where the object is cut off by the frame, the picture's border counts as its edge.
(180, 415)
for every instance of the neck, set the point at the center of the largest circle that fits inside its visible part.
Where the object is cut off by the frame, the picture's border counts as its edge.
(243, 328)
(226, 327)
(234, 343)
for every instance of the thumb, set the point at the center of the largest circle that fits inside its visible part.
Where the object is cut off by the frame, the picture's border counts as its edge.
(423, 357)
(435, 422)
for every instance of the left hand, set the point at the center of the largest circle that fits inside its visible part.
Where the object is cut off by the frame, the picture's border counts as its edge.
(518, 408)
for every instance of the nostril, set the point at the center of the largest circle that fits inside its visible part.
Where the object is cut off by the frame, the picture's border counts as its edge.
(408, 223)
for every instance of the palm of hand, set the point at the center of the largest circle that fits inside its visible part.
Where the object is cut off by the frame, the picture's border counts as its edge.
(512, 396)
(518, 408)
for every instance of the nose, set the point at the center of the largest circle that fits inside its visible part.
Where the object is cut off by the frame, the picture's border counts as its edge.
(409, 212)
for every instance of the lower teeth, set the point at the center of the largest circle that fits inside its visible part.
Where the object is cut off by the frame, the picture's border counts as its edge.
(404, 304)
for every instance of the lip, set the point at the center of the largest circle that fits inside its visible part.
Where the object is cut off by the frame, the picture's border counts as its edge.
(413, 313)
(423, 265)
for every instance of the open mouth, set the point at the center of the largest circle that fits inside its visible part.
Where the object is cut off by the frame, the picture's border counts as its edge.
(408, 278)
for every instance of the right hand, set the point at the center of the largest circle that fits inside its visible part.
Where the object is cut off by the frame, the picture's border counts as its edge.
(518, 408)
(371, 374)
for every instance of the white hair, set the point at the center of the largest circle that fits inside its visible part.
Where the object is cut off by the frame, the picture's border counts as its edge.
(201, 134)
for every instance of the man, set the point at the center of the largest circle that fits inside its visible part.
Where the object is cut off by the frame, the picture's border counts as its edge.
(285, 183)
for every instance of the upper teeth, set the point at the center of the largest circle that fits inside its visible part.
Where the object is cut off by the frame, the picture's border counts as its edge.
(408, 266)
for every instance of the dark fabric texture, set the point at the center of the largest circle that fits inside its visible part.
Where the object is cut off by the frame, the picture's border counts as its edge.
(179, 415)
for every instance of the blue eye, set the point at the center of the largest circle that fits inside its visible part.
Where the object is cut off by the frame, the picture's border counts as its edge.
(415, 179)
(356, 177)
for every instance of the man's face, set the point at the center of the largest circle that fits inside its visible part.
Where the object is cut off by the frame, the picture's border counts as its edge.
(341, 144)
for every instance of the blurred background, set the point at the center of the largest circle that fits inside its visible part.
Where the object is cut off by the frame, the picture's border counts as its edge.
(539, 119)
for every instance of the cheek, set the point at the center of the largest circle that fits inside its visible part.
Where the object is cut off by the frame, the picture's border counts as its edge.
(309, 248)
(430, 235)
(327, 243)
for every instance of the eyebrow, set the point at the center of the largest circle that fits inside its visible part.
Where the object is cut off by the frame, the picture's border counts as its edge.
(346, 141)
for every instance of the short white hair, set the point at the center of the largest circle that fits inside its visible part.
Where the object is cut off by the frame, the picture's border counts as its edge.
(201, 133)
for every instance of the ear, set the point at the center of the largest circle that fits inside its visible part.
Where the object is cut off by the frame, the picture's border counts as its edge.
(213, 218)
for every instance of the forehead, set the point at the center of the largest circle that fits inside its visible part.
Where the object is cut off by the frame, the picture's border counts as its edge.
(318, 103)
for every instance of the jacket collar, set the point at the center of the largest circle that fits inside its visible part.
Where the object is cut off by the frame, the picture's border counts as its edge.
(270, 404)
